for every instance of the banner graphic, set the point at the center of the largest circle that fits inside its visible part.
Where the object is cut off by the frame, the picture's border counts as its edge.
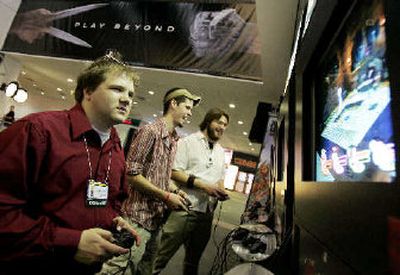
(194, 36)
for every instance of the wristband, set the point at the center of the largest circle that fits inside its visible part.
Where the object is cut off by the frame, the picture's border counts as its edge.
(190, 181)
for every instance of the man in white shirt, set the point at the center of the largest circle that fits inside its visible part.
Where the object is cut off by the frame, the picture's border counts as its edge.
(199, 171)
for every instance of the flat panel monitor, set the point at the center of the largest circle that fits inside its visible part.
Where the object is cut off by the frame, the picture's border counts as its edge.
(354, 135)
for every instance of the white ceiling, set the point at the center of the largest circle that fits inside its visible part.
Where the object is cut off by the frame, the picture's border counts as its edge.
(276, 25)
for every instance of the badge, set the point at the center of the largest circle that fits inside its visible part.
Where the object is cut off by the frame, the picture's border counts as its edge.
(97, 194)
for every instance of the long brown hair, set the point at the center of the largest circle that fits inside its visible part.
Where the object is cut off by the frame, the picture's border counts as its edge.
(214, 113)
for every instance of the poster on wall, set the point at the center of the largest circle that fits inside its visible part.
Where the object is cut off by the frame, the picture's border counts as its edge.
(195, 36)
(259, 203)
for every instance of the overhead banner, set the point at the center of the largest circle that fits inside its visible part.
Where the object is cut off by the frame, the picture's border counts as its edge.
(194, 36)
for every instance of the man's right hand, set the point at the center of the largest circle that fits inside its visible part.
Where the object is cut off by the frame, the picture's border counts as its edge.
(176, 202)
(215, 191)
(95, 246)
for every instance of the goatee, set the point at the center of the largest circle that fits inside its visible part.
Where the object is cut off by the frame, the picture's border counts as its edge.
(211, 135)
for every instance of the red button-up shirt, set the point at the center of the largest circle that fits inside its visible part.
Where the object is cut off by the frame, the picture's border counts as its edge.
(43, 179)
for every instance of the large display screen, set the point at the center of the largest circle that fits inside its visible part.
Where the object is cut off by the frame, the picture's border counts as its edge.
(353, 103)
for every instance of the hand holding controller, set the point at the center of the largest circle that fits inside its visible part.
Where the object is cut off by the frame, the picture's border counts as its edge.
(123, 238)
(223, 197)
(188, 203)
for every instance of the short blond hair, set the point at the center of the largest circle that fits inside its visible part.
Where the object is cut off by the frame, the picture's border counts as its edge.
(98, 71)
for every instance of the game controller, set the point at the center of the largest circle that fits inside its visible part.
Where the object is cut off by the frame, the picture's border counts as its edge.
(257, 247)
(123, 238)
(224, 197)
(240, 234)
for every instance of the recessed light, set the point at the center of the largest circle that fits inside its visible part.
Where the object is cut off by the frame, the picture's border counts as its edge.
(135, 103)
(59, 89)
(70, 80)
(188, 121)
(42, 93)
(240, 122)
(34, 85)
(72, 92)
(252, 149)
(251, 144)
(232, 106)
(23, 72)
(245, 133)
(151, 92)
(63, 97)
(154, 115)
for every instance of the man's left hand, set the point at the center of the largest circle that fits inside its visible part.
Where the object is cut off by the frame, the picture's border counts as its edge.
(121, 223)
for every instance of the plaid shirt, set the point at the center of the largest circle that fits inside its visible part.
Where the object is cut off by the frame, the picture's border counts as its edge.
(151, 154)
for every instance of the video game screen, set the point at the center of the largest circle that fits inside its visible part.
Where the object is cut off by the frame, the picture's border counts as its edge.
(354, 139)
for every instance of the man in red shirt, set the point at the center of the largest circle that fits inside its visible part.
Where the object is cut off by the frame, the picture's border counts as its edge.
(62, 178)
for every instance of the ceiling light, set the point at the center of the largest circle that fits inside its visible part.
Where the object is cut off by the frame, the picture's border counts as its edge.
(251, 144)
(23, 72)
(154, 115)
(151, 92)
(135, 103)
(59, 89)
(232, 106)
(42, 93)
(188, 121)
(252, 149)
(72, 92)
(63, 97)
(11, 89)
(21, 96)
(240, 122)
(245, 133)
(70, 80)
(34, 85)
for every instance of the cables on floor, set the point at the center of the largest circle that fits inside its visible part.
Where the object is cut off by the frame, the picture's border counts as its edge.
(225, 256)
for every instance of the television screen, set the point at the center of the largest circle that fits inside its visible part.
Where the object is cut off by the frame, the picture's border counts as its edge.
(353, 103)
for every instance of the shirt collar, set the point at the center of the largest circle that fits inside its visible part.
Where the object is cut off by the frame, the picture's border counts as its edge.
(80, 124)
(201, 136)
(164, 130)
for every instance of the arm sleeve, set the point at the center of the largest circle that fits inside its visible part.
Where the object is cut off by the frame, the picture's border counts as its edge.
(140, 150)
(24, 230)
(123, 194)
(181, 157)
(222, 177)
(223, 172)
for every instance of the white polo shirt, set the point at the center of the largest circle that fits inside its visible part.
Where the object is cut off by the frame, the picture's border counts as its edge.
(194, 156)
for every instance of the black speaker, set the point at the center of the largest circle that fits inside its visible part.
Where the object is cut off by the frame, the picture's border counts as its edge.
(260, 122)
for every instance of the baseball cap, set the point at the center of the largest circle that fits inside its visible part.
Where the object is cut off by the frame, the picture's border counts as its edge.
(182, 92)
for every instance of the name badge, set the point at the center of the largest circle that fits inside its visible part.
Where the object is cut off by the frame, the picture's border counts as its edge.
(97, 194)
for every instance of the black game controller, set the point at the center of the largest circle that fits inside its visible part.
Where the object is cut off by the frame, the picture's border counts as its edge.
(224, 197)
(258, 247)
(123, 238)
(240, 234)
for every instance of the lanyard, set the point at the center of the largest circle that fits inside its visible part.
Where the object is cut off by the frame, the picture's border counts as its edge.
(209, 148)
(90, 163)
